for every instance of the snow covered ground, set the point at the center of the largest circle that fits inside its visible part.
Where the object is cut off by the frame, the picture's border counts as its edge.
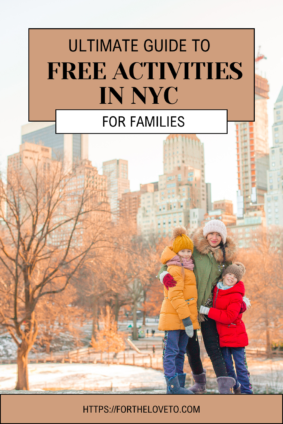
(266, 374)
(84, 377)
(266, 377)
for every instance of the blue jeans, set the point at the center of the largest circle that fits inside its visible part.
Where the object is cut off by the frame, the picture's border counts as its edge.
(243, 375)
(175, 343)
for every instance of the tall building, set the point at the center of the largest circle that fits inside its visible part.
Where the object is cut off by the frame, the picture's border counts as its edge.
(129, 205)
(118, 183)
(223, 210)
(225, 205)
(30, 163)
(72, 148)
(274, 197)
(180, 189)
(196, 218)
(83, 178)
(253, 154)
(248, 229)
(185, 149)
(146, 217)
(208, 197)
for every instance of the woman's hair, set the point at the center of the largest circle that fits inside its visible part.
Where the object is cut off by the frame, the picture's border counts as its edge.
(222, 247)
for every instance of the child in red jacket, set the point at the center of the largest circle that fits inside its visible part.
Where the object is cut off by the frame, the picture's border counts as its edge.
(225, 310)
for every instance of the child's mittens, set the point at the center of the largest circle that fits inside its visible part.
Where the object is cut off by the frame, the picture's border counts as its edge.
(204, 310)
(189, 329)
(243, 308)
(167, 280)
(247, 302)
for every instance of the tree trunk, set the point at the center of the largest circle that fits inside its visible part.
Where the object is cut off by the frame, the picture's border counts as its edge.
(135, 335)
(116, 307)
(144, 307)
(22, 361)
(97, 323)
(94, 318)
(268, 342)
(47, 346)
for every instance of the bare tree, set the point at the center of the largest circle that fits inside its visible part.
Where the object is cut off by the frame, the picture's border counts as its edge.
(54, 220)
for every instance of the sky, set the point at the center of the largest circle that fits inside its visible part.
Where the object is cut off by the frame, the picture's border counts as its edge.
(144, 152)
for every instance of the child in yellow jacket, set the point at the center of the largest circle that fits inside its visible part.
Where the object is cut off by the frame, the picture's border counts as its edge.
(178, 316)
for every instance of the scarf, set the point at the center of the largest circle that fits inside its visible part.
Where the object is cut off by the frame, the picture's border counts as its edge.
(221, 286)
(187, 263)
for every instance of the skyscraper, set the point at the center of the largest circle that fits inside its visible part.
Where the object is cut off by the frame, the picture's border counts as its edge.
(71, 148)
(118, 183)
(129, 205)
(146, 217)
(252, 154)
(208, 197)
(180, 188)
(185, 150)
(274, 197)
(33, 163)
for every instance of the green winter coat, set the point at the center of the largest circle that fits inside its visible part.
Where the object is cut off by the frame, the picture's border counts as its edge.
(208, 264)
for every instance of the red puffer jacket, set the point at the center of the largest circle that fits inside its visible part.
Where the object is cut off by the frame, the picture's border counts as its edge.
(226, 312)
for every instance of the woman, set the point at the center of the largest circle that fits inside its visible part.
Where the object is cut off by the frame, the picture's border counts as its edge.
(213, 252)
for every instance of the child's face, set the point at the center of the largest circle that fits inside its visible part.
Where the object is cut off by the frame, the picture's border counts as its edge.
(185, 253)
(229, 280)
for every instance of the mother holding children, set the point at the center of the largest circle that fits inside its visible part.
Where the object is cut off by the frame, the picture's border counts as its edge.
(203, 290)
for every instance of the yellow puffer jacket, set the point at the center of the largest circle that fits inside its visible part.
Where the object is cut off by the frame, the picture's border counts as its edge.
(180, 301)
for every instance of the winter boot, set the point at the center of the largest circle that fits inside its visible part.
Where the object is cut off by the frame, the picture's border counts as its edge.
(225, 385)
(174, 388)
(237, 391)
(182, 379)
(200, 383)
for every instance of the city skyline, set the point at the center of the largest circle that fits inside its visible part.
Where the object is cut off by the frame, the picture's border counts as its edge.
(143, 152)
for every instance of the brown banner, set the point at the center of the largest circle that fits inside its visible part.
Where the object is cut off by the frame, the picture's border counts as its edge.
(141, 69)
(140, 409)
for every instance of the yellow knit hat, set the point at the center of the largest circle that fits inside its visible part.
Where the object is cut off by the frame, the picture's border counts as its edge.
(181, 240)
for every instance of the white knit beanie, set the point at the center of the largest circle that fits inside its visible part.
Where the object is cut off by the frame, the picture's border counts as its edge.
(216, 226)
